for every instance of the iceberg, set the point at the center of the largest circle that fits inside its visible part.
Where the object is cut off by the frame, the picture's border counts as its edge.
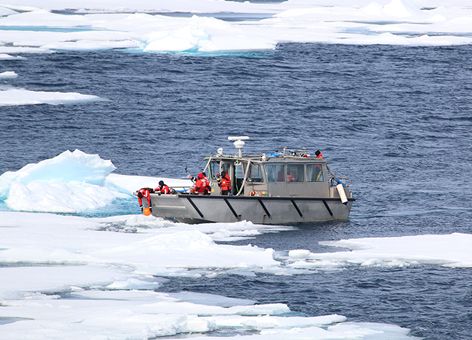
(75, 182)
(70, 182)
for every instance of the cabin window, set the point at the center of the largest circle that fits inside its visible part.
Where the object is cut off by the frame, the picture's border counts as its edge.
(214, 169)
(275, 172)
(314, 173)
(295, 173)
(255, 173)
(239, 170)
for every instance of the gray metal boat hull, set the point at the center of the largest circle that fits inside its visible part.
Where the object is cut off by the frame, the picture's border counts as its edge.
(261, 210)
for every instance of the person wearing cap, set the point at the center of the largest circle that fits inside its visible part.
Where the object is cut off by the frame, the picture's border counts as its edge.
(163, 188)
(318, 154)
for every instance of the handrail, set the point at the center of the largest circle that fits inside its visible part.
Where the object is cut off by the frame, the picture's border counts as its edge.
(244, 179)
(208, 163)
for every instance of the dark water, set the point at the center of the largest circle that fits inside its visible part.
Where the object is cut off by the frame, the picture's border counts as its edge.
(397, 120)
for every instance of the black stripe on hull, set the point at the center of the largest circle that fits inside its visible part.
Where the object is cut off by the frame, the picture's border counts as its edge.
(232, 209)
(327, 207)
(297, 208)
(195, 207)
(264, 207)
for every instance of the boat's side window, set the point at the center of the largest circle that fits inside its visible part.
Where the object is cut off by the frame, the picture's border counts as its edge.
(275, 172)
(214, 169)
(255, 173)
(295, 173)
(314, 173)
(239, 170)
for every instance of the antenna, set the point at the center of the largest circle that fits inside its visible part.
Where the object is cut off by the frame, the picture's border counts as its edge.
(238, 143)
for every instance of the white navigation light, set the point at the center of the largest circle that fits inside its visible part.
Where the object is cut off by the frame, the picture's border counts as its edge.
(219, 151)
(238, 143)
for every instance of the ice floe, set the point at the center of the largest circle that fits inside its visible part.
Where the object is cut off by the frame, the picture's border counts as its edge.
(168, 250)
(24, 281)
(452, 250)
(67, 277)
(144, 315)
(17, 96)
(153, 26)
(4, 56)
(8, 75)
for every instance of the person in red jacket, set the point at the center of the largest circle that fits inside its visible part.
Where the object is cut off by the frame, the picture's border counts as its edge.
(144, 193)
(318, 154)
(163, 188)
(201, 186)
(225, 183)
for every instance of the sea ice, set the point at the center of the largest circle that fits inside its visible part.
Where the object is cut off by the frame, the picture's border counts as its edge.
(147, 314)
(142, 25)
(167, 250)
(4, 56)
(83, 281)
(8, 75)
(73, 182)
(17, 96)
(23, 281)
(69, 182)
(451, 250)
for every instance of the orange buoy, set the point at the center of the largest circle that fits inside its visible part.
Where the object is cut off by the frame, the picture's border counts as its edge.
(147, 211)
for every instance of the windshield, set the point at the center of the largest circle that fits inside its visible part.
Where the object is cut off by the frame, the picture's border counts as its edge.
(255, 173)
(275, 172)
(314, 173)
(295, 173)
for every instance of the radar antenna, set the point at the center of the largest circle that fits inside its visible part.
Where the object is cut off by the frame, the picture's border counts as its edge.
(238, 143)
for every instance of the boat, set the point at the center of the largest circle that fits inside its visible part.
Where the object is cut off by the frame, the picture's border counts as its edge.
(288, 186)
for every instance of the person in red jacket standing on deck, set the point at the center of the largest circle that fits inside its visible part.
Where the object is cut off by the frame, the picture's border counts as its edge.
(318, 154)
(202, 185)
(225, 183)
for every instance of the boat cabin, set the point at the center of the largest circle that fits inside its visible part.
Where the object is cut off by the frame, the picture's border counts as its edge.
(292, 173)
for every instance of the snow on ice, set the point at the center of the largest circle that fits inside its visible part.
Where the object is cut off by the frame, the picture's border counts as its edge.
(451, 250)
(4, 56)
(69, 182)
(8, 75)
(17, 96)
(84, 280)
(149, 26)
